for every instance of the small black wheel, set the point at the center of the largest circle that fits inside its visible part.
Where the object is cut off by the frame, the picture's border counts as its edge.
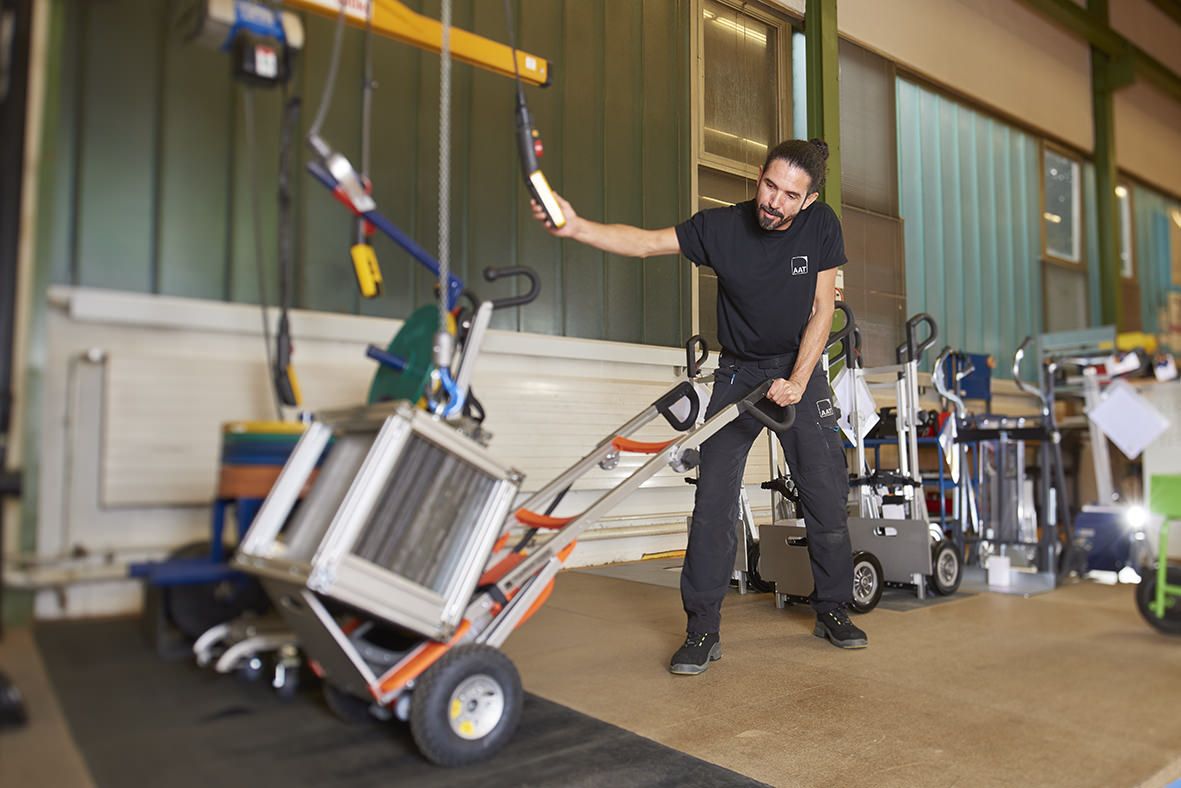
(1170, 623)
(946, 568)
(252, 668)
(867, 582)
(466, 706)
(1072, 560)
(345, 706)
(195, 608)
(754, 580)
(288, 675)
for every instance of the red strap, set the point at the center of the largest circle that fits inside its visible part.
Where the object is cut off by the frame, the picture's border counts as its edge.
(535, 520)
(640, 447)
(502, 568)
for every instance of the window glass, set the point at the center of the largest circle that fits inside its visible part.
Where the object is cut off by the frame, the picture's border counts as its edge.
(741, 106)
(717, 188)
(1126, 266)
(1061, 211)
(799, 86)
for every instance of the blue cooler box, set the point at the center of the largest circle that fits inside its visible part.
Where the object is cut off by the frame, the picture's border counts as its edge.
(1109, 541)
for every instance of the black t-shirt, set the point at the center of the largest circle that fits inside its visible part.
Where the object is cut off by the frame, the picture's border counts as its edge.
(766, 278)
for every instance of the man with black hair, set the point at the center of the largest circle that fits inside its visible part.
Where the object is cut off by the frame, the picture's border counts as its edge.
(775, 258)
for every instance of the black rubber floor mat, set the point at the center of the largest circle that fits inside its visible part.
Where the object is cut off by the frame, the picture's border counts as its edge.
(140, 720)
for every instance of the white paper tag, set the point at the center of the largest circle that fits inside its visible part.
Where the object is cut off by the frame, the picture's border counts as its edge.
(1128, 419)
(1122, 364)
(1165, 370)
(867, 409)
(947, 438)
(266, 62)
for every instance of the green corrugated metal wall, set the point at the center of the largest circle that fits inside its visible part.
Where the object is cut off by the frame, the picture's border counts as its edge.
(1151, 215)
(969, 200)
(151, 193)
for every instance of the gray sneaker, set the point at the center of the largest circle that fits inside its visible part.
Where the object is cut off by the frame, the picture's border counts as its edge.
(694, 656)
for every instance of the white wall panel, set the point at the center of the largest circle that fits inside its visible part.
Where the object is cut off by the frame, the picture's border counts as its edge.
(138, 388)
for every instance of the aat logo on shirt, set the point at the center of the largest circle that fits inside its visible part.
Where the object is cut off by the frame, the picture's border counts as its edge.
(799, 265)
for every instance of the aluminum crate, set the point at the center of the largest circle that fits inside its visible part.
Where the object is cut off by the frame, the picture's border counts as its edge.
(399, 522)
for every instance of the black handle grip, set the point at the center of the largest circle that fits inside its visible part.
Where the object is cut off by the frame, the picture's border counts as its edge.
(853, 349)
(846, 330)
(911, 351)
(492, 274)
(757, 405)
(693, 362)
(683, 390)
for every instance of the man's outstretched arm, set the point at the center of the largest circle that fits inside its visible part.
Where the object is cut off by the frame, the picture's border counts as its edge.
(620, 239)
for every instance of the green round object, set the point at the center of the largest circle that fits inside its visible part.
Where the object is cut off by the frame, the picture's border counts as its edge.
(415, 343)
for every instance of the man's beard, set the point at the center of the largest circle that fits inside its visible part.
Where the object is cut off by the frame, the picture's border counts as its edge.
(770, 219)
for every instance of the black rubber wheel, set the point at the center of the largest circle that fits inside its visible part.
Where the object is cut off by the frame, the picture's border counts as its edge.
(867, 582)
(345, 706)
(195, 608)
(754, 580)
(12, 705)
(466, 706)
(1072, 561)
(947, 568)
(252, 669)
(1146, 594)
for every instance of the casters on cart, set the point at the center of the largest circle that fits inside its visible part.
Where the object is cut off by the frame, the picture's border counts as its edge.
(254, 648)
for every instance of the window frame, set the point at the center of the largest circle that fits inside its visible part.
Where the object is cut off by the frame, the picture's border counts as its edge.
(1079, 217)
(783, 27)
(785, 23)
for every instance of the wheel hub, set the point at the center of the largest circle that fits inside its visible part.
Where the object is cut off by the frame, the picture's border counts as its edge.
(476, 707)
(946, 568)
(864, 582)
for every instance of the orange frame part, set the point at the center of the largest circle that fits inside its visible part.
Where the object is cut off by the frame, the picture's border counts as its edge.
(415, 665)
(393, 19)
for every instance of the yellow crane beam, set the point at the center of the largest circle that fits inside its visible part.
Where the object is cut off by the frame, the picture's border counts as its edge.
(393, 19)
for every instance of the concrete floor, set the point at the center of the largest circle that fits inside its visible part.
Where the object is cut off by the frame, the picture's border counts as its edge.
(1065, 688)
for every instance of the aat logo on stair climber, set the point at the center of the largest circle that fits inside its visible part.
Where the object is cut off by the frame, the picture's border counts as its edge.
(799, 265)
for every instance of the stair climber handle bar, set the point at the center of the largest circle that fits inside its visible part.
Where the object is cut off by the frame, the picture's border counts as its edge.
(844, 331)
(754, 404)
(683, 391)
(492, 274)
(910, 350)
(693, 362)
(853, 348)
(1018, 357)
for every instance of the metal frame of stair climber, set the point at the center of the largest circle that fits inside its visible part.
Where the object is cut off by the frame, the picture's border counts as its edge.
(746, 556)
(1057, 552)
(965, 512)
(912, 551)
(909, 547)
(1010, 523)
(396, 571)
(903, 487)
